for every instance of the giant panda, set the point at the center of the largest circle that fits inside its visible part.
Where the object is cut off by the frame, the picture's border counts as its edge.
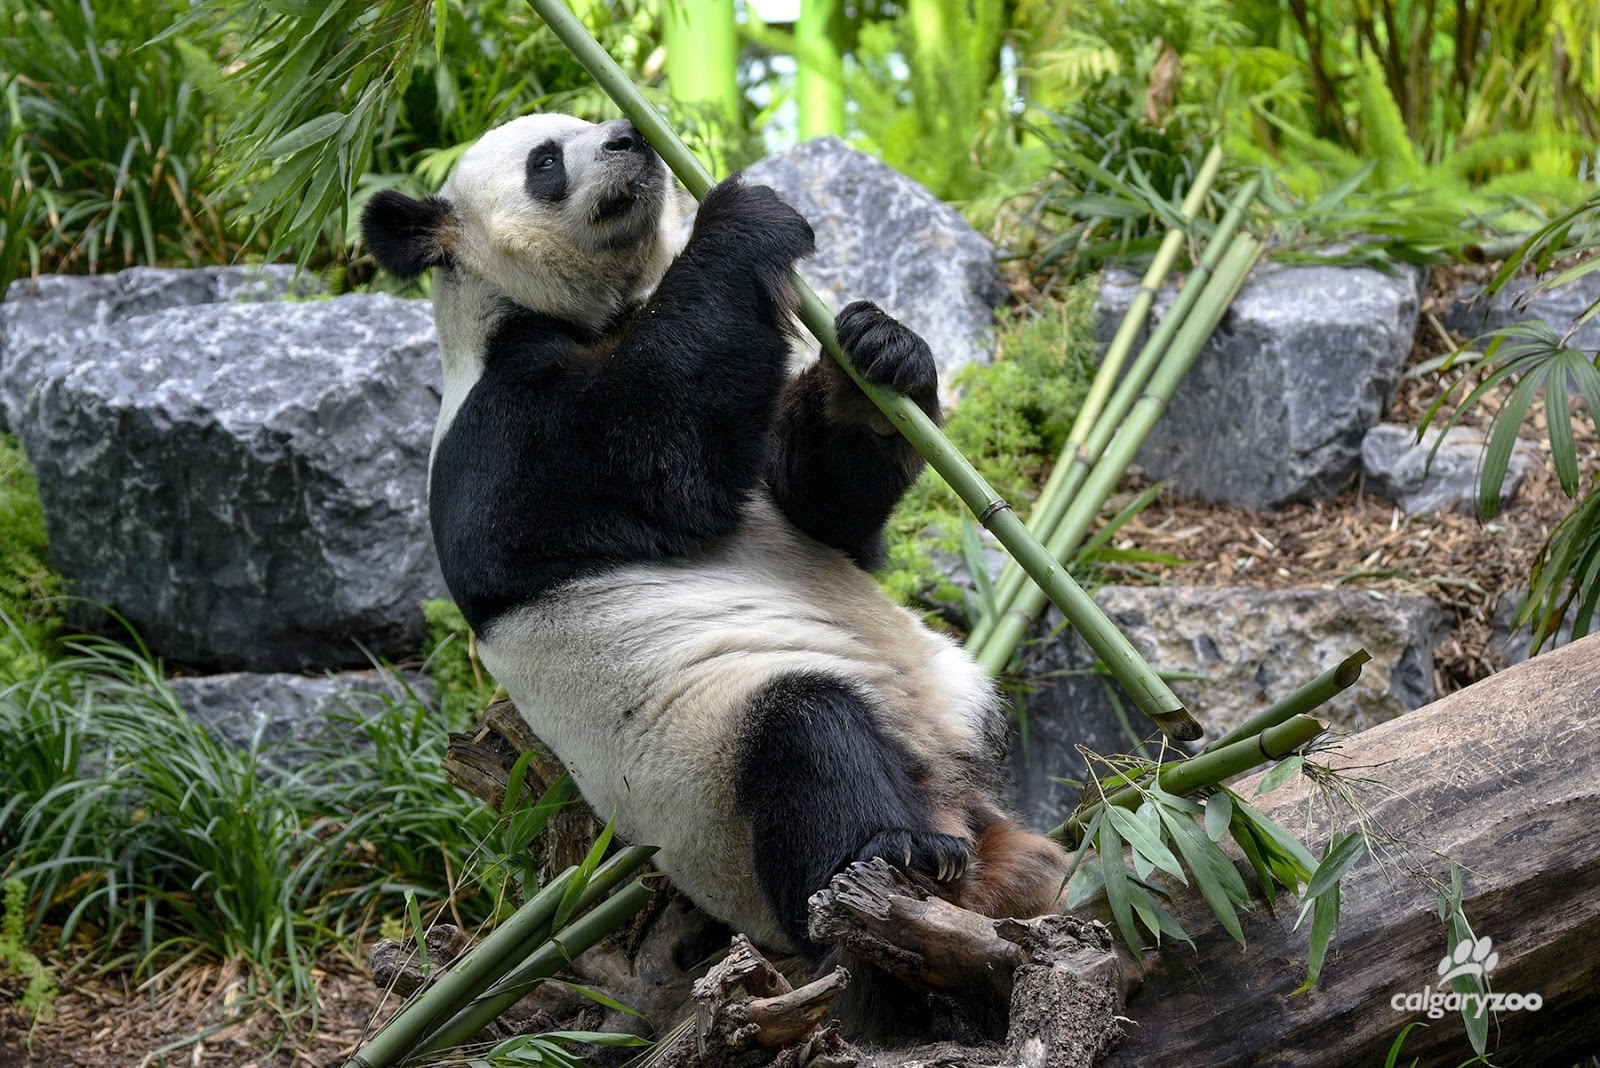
(664, 541)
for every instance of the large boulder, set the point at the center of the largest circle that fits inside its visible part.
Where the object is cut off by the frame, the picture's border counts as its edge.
(884, 238)
(1396, 466)
(1251, 647)
(246, 482)
(1560, 307)
(47, 319)
(1275, 408)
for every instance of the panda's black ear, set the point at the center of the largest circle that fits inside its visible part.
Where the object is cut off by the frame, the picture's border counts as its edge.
(407, 236)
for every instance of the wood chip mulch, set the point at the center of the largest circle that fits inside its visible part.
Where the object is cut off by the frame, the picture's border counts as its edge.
(195, 1015)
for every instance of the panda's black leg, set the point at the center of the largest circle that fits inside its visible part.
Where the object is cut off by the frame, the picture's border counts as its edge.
(837, 466)
(823, 787)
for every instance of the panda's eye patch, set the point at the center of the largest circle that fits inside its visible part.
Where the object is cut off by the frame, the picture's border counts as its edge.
(545, 173)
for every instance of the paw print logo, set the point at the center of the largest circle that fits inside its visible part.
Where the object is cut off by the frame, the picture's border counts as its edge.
(1476, 958)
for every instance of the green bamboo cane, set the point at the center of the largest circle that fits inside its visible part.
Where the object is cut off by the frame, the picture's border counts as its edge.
(1230, 275)
(1121, 346)
(1314, 693)
(1047, 513)
(488, 961)
(1152, 695)
(1207, 769)
(491, 960)
(556, 954)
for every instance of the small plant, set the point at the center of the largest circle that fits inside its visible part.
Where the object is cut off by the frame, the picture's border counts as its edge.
(38, 998)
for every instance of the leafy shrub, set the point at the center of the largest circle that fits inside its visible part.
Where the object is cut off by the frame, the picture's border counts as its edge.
(109, 143)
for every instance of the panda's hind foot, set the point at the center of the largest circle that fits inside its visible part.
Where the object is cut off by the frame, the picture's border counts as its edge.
(941, 857)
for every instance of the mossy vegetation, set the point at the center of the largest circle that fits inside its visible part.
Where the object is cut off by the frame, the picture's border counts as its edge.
(1011, 421)
(464, 687)
(30, 592)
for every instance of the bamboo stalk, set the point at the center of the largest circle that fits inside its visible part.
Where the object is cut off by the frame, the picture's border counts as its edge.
(557, 952)
(1220, 289)
(1117, 352)
(485, 963)
(1047, 512)
(1314, 693)
(1148, 691)
(1207, 769)
(509, 945)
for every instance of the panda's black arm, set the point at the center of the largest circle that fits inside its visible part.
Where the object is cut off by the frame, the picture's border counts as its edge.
(837, 466)
(678, 405)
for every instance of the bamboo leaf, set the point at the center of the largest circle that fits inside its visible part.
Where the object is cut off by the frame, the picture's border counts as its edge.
(1157, 919)
(1219, 815)
(1322, 928)
(311, 132)
(1279, 775)
(1342, 854)
(1214, 874)
(1146, 845)
(1115, 878)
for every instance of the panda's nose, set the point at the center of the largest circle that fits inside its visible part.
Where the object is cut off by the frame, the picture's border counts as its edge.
(623, 137)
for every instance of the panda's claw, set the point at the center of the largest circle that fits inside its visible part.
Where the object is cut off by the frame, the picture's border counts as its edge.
(940, 857)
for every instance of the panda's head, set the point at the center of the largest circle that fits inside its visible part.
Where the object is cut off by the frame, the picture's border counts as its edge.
(564, 217)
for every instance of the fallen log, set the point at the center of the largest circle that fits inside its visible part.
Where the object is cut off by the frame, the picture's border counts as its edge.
(1503, 779)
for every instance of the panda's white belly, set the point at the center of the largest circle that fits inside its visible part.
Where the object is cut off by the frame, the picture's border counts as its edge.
(639, 679)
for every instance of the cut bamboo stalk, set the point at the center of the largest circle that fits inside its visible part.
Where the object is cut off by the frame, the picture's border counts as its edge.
(1143, 685)
(1197, 328)
(556, 953)
(1314, 693)
(1207, 769)
(508, 946)
(487, 962)
(1074, 469)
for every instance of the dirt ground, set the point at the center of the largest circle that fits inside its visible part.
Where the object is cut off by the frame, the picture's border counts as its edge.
(191, 1016)
(195, 1015)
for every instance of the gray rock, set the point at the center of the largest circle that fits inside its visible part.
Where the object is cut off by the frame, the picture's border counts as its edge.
(1559, 307)
(1253, 646)
(1275, 407)
(245, 482)
(884, 238)
(285, 711)
(49, 318)
(1396, 467)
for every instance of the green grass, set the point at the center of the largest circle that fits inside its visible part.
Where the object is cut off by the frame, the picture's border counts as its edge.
(133, 831)
(1011, 421)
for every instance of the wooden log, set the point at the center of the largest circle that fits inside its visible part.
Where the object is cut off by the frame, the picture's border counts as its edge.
(1502, 778)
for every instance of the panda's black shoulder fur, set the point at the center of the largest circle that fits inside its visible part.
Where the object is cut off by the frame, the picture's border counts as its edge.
(576, 452)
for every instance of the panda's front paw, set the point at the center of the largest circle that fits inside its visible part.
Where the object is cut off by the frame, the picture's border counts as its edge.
(737, 215)
(941, 857)
(888, 353)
